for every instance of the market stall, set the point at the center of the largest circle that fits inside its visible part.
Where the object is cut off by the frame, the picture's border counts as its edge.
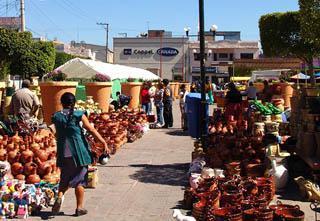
(237, 175)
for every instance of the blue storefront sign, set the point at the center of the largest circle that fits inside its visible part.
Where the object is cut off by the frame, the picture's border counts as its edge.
(167, 51)
(207, 69)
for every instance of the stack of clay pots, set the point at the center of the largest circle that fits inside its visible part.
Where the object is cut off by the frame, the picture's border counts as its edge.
(117, 128)
(32, 158)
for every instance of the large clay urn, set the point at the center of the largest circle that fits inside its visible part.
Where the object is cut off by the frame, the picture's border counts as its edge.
(101, 92)
(287, 93)
(51, 93)
(176, 90)
(132, 89)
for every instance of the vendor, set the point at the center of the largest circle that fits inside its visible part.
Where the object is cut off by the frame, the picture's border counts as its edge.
(233, 102)
(24, 103)
(251, 92)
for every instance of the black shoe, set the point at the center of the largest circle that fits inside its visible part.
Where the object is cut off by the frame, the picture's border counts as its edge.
(81, 212)
(165, 126)
(170, 125)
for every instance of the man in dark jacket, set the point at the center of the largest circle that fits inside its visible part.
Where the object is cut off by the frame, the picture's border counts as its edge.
(167, 104)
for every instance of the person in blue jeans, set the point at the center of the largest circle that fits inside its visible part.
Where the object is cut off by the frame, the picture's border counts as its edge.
(158, 102)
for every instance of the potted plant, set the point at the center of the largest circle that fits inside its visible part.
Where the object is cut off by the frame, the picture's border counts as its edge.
(100, 90)
(51, 91)
(132, 88)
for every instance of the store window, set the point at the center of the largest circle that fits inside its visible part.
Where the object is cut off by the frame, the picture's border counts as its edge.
(223, 55)
(197, 56)
(246, 55)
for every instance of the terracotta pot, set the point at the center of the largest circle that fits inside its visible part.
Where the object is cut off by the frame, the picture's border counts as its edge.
(16, 168)
(101, 92)
(289, 214)
(20, 177)
(132, 89)
(51, 93)
(176, 90)
(282, 206)
(3, 154)
(287, 93)
(26, 156)
(227, 213)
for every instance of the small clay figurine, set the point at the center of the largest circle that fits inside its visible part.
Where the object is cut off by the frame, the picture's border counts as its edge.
(11, 210)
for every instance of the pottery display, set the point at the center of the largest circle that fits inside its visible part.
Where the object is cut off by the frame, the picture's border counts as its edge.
(101, 92)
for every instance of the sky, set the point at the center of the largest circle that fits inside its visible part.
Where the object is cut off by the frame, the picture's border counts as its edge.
(76, 20)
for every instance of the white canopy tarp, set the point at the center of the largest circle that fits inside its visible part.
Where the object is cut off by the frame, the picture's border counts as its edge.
(300, 76)
(266, 74)
(85, 68)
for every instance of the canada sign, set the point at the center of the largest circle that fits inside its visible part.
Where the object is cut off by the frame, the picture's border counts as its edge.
(167, 51)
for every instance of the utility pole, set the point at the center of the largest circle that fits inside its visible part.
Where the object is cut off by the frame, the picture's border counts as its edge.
(23, 21)
(106, 27)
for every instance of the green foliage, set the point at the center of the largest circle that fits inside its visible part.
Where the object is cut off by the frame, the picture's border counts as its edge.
(62, 58)
(26, 57)
(281, 36)
(243, 71)
(310, 21)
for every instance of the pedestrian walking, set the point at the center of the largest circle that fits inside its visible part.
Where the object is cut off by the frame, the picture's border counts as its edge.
(182, 95)
(158, 102)
(251, 92)
(73, 151)
(145, 98)
(167, 104)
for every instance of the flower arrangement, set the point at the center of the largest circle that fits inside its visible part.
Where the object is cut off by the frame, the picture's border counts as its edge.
(56, 75)
(100, 78)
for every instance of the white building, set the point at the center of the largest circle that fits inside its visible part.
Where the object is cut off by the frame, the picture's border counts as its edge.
(178, 58)
(156, 51)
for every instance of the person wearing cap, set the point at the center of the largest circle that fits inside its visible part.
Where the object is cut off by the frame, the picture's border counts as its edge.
(24, 102)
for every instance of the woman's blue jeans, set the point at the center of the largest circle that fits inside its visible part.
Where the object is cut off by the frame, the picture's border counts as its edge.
(159, 108)
(146, 108)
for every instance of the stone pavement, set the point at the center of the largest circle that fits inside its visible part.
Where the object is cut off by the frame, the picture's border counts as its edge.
(142, 182)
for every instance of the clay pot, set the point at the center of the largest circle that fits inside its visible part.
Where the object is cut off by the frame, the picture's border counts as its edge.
(33, 177)
(100, 91)
(279, 205)
(51, 93)
(42, 155)
(287, 214)
(20, 177)
(3, 154)
(16, 168)
(132, 89)
(13, 156)
(29, 168)
(26, 156)
(228, 213)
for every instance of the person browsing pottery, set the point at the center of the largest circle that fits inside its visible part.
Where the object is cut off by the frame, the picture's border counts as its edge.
(251, 92)
(182, 95)
(158, 102)
(233, 102)
(73, 151)
(167, 105)
(145, 98)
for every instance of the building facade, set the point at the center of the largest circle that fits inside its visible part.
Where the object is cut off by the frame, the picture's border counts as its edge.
(177, 58)
(156, 51)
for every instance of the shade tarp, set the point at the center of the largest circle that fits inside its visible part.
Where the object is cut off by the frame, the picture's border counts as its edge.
(86, 69)
(300, 76)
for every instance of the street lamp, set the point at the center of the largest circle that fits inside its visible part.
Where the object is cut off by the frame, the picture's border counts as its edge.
(187, 29)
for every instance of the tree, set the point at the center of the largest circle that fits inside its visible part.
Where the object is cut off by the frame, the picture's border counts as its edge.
(62, 58)
(26, 57)
(310, 20)
(280, 36)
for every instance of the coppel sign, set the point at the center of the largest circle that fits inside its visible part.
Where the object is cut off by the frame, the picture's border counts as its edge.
(167, 52)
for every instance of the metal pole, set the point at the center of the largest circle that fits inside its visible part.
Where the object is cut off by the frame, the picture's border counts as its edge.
(107, 43)
(22, 17)
(161, 56)
(183, 62)
(203, 132)
(106, 27)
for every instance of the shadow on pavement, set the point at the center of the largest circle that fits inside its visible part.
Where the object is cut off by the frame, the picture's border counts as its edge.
(167, 174)
(179, 132)
(46, 215)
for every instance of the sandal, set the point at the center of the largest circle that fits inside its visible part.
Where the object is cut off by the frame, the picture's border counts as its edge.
(81, 212)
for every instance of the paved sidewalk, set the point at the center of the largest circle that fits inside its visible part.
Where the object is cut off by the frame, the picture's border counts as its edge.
(142, 182)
